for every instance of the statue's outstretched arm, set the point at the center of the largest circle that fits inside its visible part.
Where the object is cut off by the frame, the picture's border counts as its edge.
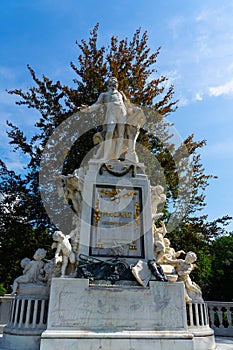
(96, 106)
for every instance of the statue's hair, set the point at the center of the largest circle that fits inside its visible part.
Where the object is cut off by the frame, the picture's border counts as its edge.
(112, 78)
(192, 254)
(58, 234)
(41, 251)
(24, 262)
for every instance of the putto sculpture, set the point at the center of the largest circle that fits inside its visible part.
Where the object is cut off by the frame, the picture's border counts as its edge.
(64, 253)
(157, 197)
(33, 270)
(183, 268)
(73, 191)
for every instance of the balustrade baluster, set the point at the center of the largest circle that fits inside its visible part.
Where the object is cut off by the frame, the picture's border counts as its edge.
(16, 312)
(21, 313)
(229, 316)
(220, 313)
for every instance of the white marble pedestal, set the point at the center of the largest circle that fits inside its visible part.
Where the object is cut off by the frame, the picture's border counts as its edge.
(83, 317)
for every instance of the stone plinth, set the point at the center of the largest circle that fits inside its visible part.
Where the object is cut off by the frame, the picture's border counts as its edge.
(84, 317)
(116, 212)
(28, 318)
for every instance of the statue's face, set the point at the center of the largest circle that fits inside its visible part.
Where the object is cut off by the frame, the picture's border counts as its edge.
(58, 237)
(112, 82)
(190, 257)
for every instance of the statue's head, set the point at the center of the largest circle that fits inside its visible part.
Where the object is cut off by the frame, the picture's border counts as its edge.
(157, 190)
(24, 262)
(112, 82)
(40, 254)
(58, 236)
(166, 242)
(190, 257)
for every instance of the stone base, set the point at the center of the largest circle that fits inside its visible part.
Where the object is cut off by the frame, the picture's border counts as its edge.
(131, 340)
(84, 317)
(22, 342)
(203, 338)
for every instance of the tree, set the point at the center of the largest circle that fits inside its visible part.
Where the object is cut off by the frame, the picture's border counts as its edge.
(19, 234)
(221, 282)
(132, 62)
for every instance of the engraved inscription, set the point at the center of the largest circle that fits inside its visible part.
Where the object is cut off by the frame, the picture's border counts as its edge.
(117, 227)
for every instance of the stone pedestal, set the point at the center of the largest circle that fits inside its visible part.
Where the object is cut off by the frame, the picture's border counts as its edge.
(28, 318)
(116, 212)
(88, 317)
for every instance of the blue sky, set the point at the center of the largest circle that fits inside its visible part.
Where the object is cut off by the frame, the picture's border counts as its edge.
(196, 37)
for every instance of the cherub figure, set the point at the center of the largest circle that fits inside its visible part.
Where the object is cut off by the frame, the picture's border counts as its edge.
(33, 270)
(159, 245)
(157, 197)
(63, 246)
(170, 252)
(74, 235)
(183, 269)
(73, 190)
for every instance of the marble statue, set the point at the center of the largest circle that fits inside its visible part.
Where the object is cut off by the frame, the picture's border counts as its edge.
(33, 270)
(170, 252)
(74, 235)
(64, 253)
(122, 120)
(157, 197)
(183, 269)
(159, 245)
(73, 190)
(168, 258)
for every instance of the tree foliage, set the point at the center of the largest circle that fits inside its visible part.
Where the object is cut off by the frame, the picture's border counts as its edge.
(24, 222)
(221, 281)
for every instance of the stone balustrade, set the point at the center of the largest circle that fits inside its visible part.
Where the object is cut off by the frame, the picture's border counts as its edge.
(27, 317)
(197, 315)
(28, 313)
(221, 317)
(5, 307)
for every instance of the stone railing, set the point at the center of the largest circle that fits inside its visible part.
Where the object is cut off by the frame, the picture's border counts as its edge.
(197, 315)
(28, 313)
(27, 318)
(221, 317)
(5, 307)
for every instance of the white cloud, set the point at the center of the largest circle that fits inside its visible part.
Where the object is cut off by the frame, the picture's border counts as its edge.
(225, 89)
(202, 51)
(183, 101)
(198, 96)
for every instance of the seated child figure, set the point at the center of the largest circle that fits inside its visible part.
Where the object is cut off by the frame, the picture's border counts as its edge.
(33, 270)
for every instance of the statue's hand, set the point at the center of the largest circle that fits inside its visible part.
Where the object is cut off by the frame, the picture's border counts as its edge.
(54, 245)
(58, 259)
(83, 108)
